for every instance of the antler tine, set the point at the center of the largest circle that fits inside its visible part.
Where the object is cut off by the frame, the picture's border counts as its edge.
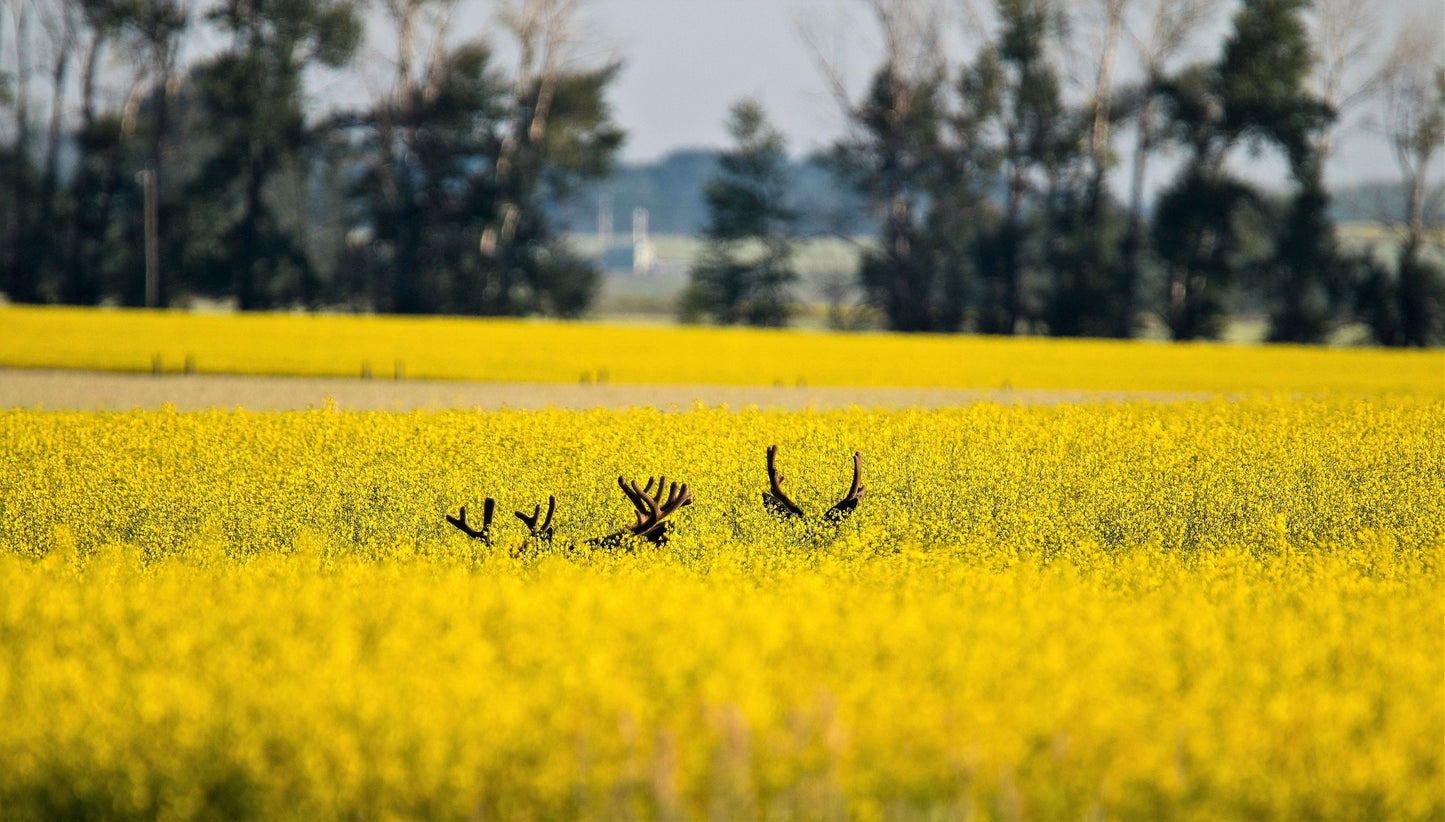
(635, 497)
(631, 495)
(484, 533)
(654, 513)
(855, 493)
(677, 497)
(776, 500)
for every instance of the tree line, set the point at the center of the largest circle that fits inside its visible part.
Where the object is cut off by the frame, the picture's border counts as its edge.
(991, 188)
(993, 194)
(211, 179)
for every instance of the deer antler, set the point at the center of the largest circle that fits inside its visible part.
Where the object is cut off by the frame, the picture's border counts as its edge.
(776, 500)
(485, 532)
(543, 531)
(855, 493)
(651, 513)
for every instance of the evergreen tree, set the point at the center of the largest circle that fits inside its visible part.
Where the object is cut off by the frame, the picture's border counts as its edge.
(920, 192)
(746, 266)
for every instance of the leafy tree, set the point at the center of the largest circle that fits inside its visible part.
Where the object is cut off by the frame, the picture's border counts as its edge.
(252, 98)
(98, 256)
(1257, 93)
(1092, 293)
(1408, 308)
(560, 135)
(158, 27)
(746, 267)
(457, 166)
(1200, 238)
(1039, 137)
(1095, 284)
(1308, 276)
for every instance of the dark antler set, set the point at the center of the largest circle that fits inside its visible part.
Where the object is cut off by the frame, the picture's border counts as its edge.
(777, 501)
(650, 513)
(653, 509)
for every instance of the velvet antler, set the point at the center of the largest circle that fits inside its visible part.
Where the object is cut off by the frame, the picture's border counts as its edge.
(541, 531)
(855, 493)
(485, 532)
(775, 499)
(650, 512)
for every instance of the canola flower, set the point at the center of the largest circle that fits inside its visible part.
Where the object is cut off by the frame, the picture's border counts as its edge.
(536, 351)
(1212, 610)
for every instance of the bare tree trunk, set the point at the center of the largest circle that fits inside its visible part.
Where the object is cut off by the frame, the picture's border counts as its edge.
(165, 36)
(1343, 33)
(1134, 236)
(1172, 25)
(87, 79)
(543, 29)
(24, 273)
(62, 36)
(1103, 97)
(397, 125)
(1413, 84)
(21, 11)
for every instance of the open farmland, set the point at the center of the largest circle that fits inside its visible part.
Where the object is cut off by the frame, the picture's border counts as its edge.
(1202, 609)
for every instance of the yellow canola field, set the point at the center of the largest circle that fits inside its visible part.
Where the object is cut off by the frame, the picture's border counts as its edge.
(536, 351)
(1215, 610)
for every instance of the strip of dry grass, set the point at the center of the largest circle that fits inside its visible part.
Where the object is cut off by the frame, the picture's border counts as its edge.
(93, 390)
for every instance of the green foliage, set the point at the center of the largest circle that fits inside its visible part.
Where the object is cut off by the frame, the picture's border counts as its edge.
(1404, 305)
(433, 201)
(1091, 294)
(1262, 75)
(1308, 276)
(920, 192)
(1256, 92)
(1200, 238)
(979, 186)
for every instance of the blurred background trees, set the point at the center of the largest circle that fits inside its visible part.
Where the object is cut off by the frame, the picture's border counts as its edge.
(214, 178)
(746, 266)
(996, 174)
(992, 198)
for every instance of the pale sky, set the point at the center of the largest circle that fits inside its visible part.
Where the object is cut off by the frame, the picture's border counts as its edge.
(687, 61)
